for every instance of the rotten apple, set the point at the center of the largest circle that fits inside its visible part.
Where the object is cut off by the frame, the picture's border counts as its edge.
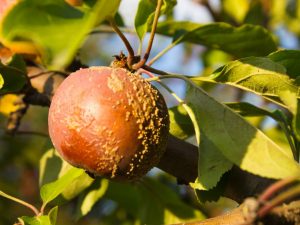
(110, 122)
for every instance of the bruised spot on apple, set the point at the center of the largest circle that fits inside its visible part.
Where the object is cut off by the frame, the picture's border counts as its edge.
(110, 122)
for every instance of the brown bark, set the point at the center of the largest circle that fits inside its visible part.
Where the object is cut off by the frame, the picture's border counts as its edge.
(281, 215)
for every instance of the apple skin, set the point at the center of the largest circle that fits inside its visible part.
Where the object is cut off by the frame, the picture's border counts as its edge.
(110, 122)
(5, 6)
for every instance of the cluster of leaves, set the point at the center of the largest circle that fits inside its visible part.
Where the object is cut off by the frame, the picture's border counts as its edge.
(223, 132)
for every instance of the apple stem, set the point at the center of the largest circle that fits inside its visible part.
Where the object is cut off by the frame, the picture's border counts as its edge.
(282, 197)
(276, 187)
(125, 41)
(141, 70)
(152, 35)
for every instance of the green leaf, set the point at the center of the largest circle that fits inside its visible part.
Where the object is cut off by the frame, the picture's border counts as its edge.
(52, 28)
(77, 186)
(125, 194)
(151, 202)
(290, 99)
(53, 215)
(240, 142)
(50, 167)
(236, 9)
(92, 197)
(145, 14)
(214, 193)
(160, 205)
(181, 125)
(237, 41)
(18, 62)
(289, 59)
(12, 79)
(51, 190)
(247, 109)
(212, 164)
(256, 14)
(38, 220)
(259, 75)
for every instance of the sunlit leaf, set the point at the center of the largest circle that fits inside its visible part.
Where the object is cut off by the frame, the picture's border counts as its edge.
(277, 135)
(278, 10)
(259, 75)
(38, 220)
(52, 29)
(212, 194)
(236, 9)
(289, 59)
(51, 190)
(77, 186)
(212, 164)
(52, 167)
(290, 99)
(53, 215)
(145, 14)
(237, 41)
(240, 142)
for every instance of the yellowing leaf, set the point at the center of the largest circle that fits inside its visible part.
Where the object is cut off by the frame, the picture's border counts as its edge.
(236, 9)
(7, 104)
(1, 81)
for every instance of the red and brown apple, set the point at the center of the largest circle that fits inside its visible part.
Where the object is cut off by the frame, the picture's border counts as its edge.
(110, 122)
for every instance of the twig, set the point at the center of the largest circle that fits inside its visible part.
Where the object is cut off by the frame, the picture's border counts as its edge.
(51, 72)
(282, 197)
(108, 29)
(152, 35)
(35, 210)
(274, 188)
(25, 132)
(124, 39)
(153, 70)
